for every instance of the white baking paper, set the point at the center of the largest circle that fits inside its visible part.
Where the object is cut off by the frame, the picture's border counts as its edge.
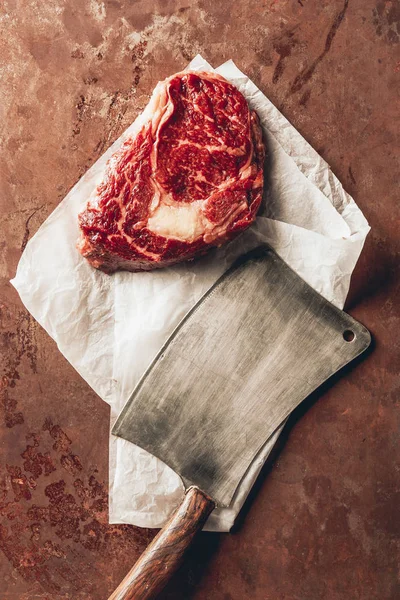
(111, 327)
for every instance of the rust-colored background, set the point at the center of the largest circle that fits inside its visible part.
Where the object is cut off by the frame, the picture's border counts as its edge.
(323, 521)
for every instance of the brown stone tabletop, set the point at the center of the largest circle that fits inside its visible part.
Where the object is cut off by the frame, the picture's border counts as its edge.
(323, 521)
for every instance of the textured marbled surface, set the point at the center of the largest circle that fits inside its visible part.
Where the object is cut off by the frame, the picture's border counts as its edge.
(323, 522)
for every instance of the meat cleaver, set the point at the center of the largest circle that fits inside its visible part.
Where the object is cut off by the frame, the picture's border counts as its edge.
(258, 343)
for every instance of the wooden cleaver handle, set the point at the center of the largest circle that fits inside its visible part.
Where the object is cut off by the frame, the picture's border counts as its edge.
(165, 553)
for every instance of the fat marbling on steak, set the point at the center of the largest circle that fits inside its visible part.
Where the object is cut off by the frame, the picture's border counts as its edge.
(190, 179)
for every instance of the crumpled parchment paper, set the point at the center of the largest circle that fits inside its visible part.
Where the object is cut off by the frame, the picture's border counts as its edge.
(111, 327)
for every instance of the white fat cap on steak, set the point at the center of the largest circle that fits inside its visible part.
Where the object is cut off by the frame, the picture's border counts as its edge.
(182, 221)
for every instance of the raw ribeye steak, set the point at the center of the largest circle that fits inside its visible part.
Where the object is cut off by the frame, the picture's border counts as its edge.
(191, 178)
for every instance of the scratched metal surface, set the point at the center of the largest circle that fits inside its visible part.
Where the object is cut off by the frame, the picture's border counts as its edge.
(250, 351)
(323, 522)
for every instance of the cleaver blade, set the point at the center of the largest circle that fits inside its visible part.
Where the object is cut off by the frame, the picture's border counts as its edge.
(256, 345)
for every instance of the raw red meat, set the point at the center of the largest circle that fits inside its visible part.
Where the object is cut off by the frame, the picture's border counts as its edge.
(191, 178)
